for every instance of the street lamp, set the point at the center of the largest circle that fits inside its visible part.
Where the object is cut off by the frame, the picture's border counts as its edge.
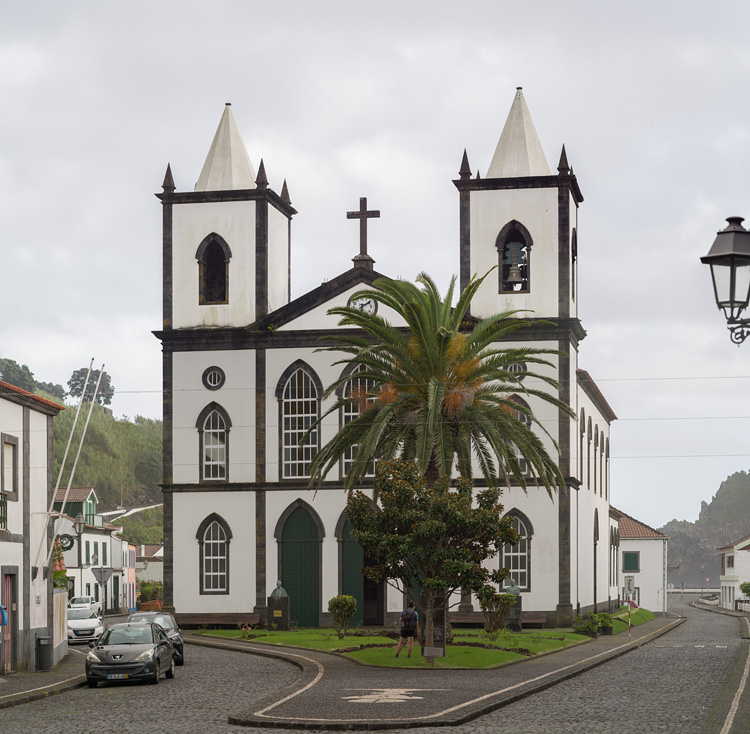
(79, 525)
(729, 258)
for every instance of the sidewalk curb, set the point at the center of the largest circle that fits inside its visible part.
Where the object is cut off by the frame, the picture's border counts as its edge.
(22, 698)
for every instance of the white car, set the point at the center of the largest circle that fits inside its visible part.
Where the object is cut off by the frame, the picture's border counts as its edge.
(84, 625)
(85, 602)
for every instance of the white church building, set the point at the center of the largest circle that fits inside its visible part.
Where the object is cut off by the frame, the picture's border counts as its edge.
(243, 382)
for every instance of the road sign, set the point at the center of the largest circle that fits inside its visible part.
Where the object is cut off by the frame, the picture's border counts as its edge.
(102, 574)
(629, 584)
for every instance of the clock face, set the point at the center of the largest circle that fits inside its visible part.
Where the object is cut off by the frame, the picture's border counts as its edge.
(368, 305)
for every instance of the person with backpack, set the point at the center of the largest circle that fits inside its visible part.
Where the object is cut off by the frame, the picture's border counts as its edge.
(409, 626)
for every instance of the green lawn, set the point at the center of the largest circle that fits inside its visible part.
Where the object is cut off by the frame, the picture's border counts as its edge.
(458, 656)
(637, 616)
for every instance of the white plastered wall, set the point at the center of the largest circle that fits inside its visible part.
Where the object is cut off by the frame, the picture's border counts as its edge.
(278, 259)
(238, 510)
(236, 396)
(490, 211)
(650, 578)
(191, 224)
(38, 506)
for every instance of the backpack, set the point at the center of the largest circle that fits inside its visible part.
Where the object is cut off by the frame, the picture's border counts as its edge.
(409, 623)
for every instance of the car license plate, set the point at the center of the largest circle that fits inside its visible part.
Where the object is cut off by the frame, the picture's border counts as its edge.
(117, 676)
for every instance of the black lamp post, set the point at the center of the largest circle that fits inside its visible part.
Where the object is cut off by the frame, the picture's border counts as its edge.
(729, 258)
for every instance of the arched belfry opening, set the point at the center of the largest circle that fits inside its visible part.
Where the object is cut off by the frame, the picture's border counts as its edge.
(213, 257)
(514, 252)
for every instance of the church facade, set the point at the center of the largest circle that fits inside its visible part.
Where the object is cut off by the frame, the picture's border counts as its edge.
(243, 382)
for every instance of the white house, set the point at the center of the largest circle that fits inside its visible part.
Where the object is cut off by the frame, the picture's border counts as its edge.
(243, 380)
(735, 570)
(26, 589)
(643, 558)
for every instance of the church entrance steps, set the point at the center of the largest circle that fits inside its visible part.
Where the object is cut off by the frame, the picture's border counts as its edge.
(334, 692)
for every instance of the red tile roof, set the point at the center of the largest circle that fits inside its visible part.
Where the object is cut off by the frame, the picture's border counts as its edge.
(76, 494)
(631, 528)
(731, 546)
(6, 386)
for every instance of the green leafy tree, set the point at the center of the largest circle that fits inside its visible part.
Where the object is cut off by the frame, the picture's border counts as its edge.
(431, 536)
(342, 608)
(443, 391)
(745, 589)
(106, 389)
(18, 375)
(495, 608)
(54, 391)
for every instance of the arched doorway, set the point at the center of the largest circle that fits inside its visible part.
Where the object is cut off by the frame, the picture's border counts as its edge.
(369, 594)
(300, 567)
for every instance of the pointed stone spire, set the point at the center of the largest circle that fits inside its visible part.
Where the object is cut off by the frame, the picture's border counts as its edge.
(562, 167)
(227, 165)
(261, 182)
(285, 193)
(465, 170)
(168, 184)
(479, 176)
(518, 152)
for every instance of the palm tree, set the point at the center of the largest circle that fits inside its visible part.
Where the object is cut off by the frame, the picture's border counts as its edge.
(441, 392)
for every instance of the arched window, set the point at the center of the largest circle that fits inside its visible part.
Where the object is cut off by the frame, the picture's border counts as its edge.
(596, 453)
(602, 486)
(514, 251)
(213, 539)
(213, 257)
(573, 263)
(360, 392)
(606, 468)
(213, 426)
(517, 558)
(588, 456)
(299, 394)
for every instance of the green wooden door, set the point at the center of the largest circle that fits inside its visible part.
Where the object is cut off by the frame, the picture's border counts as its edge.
(352, 580)
(300, 574)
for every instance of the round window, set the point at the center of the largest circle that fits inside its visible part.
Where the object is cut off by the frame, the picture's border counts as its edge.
(517, 369)
(213, 378)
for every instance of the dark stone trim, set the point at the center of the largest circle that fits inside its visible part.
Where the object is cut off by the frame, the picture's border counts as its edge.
(521, 182)
(13, 440)
(279, 530)
(168, 535)
(207, 372)
(167, 249)
(563, 253)
(202, 197)
(199, 535)
(206, 340)
(261, 545)
(261, 259)
(207, 410)
(167, 453)
(464, 237)
(207, 240)
(200, 256)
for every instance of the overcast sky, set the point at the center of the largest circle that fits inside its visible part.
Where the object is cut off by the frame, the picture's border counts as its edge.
(652, 101)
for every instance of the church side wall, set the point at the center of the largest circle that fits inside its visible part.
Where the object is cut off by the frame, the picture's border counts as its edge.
(238, 510)
(236, 396)
(191, 223)
(490, 212)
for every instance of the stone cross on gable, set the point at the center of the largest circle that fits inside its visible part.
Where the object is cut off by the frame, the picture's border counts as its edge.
(363, 215)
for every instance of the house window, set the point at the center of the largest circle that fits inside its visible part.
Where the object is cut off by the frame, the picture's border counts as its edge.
(213, 538)
(631, 561)
(517, 558)
(3, 511)
(104, 554)
(213, 426)
(730, 561)
(9, 467)
(213, 258)
(88, 552)
(360, 393)
(300, 404)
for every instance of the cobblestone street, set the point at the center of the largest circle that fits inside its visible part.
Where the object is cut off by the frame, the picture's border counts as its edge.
(669, 685)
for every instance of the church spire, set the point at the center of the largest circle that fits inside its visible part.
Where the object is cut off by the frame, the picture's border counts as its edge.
(168, 184)
(518, 152)
(562, 167)
(227, 165)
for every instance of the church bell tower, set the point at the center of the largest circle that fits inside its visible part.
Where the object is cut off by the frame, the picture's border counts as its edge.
(226, 245)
